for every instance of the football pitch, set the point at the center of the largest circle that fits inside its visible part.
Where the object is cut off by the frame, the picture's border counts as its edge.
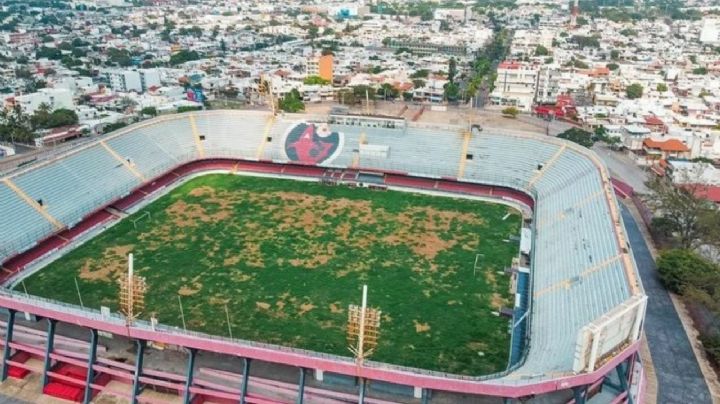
(287, 257)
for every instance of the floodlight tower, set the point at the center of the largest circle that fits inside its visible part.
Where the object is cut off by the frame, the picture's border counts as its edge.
(132, 293)
(363, 329)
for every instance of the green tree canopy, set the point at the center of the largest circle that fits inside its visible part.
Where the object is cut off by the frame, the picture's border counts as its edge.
(292, 102)
(634, 91)
(579, 136)
(313, 80)
(511, 112)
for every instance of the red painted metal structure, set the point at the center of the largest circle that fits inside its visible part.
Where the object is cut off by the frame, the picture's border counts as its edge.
(304, 360)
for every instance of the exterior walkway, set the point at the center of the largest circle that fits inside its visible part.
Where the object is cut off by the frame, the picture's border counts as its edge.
(679, 377)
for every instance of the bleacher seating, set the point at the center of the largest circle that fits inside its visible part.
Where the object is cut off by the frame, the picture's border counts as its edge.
(576, 276)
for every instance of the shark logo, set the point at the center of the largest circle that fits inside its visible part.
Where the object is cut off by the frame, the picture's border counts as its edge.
(310, 143)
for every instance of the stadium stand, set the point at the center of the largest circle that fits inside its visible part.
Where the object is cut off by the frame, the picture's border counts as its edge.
(581, 268)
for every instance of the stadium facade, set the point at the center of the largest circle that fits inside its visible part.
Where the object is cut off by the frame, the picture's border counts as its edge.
(579, 304)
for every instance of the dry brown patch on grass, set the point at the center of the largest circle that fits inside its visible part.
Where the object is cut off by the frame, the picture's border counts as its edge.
(262, 305)
(490, 277)
(218, 301)
(111, 265)
(230, 261)
(497, 301)
(305, 307)
(421, 327)
(184, 214)
(427, 245)
(476, 346)
(335, 308)
(343, 231)
(320, 254)
(202, 191)
(242, 277)
(189, 290)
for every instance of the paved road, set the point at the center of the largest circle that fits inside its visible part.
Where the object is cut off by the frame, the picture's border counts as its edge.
(622, 167)
(679, 377)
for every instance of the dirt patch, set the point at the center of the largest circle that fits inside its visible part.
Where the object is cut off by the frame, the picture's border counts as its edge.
(427, 245)
(262, 305)
(421, 327)
(477, 346)
(490, 277)
(112, 264)
(203, 191)
(335, 308)
(185, 214)
(186, 290)
(230, 261)
(497, 301)
(305, 307)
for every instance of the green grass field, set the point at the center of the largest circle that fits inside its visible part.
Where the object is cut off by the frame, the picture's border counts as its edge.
(287, 257)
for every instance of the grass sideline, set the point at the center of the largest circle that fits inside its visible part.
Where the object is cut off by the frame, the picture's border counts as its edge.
(287, 257)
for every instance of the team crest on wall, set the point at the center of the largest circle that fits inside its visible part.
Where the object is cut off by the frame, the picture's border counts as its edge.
(312, 143)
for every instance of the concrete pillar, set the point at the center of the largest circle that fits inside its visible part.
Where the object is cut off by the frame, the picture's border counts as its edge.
(90, 376)
(189, 375)
(245, 380)
(138, 370)
(361, 397)
(8, 340)
(301, 387)
(47, 363)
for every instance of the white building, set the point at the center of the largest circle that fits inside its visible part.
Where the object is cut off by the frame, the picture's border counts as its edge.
(138, 81)
(515, 85)
(56, 98)
(710, 32)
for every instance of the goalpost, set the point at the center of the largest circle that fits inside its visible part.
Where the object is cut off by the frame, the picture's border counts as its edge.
(145, 215)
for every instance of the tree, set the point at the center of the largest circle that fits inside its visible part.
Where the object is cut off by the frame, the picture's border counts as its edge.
(387, 91)
(579, 136)
(541, 51)
(315, 80)
(420, 74)
(151, 111)
(312, 34)
(661, 87)
(510, 112)
(691, 219)
(292, 102)
(451, 91)
(700, 70)
(612, 66)
(126, 103)
(62, 117)
(680, 267)
(614, 54)
(184, 56)
(452, 70)
(15, 125)
(634, 91)
(585, 41)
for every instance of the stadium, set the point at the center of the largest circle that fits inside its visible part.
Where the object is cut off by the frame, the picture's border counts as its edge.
(575, 304)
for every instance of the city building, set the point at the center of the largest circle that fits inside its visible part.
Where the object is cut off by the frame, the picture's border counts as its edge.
(515, 85)
(321, 66)
(55, 98)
